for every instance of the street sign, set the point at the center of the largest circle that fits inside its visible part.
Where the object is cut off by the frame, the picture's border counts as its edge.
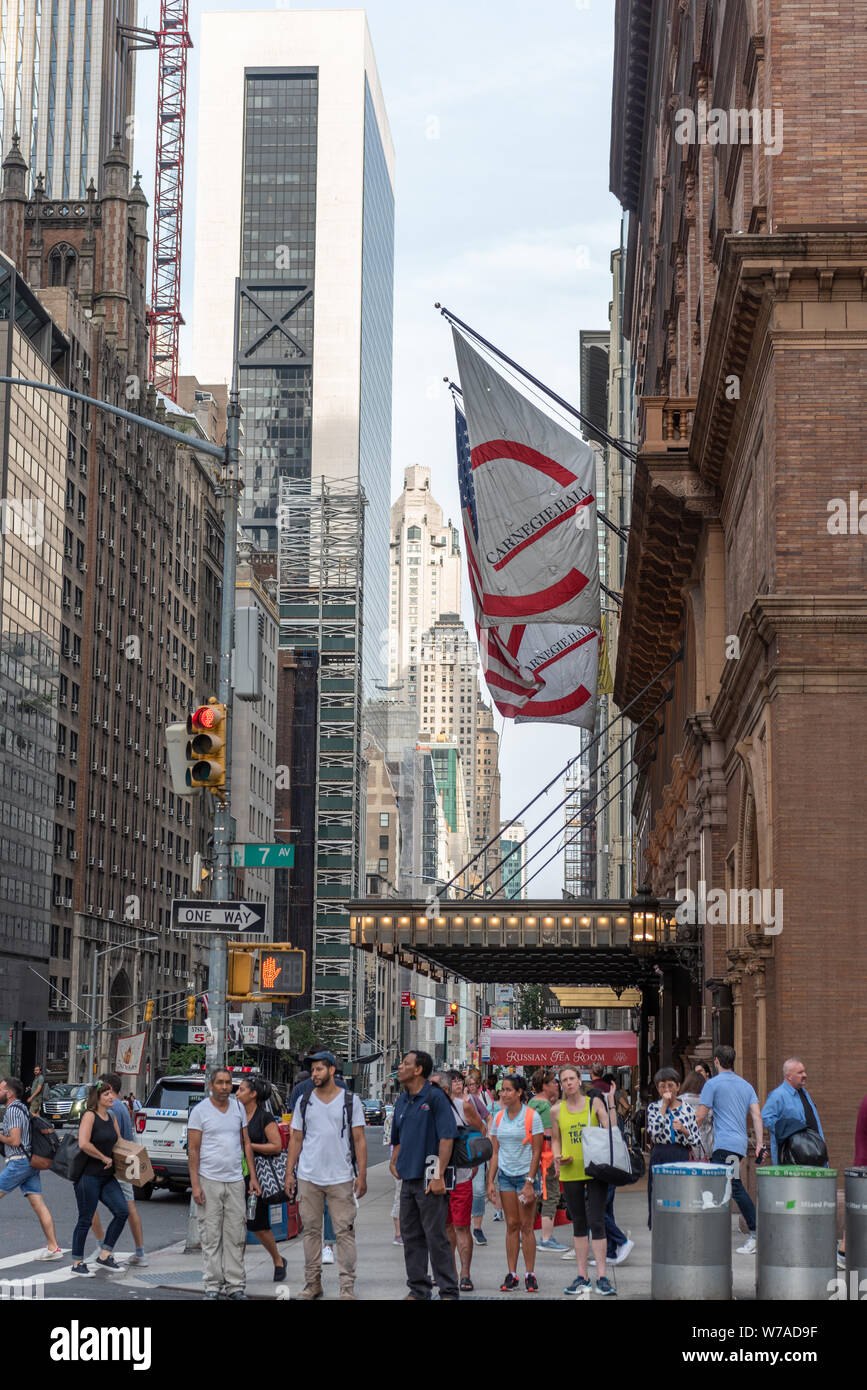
(450, 1020)
(82, 1047)
(217, 916)
(486, 1021)
(405, 998)
(263, 856)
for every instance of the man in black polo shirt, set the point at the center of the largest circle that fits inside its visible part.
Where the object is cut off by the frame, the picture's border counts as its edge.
(423, 1131)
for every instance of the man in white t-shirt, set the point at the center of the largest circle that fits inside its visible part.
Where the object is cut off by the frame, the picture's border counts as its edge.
(329, 1146)
(218, 1141)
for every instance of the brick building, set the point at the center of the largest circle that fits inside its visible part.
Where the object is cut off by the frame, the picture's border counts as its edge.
(138, 637)
(746, 307)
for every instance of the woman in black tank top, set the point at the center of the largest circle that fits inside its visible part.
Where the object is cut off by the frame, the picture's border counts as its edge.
(97, 1135)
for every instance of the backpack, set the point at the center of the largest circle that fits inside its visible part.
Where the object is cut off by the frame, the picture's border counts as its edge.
(471, 1147)
(348, 1098)
(44, 1142)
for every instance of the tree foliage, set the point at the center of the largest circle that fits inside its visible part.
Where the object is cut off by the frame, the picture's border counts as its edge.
(531, 1006)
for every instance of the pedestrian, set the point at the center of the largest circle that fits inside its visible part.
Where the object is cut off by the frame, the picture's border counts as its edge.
(475, 1090)
(546, 1093)
(98, 1133)
(303, 1087)
(18, 1170)
(704, 1070)
(732, 1100)
(790, 1110)
(671, 1127)
(36, 1094)
(395, 1205)
(597, 1080)
(111, 1081)
(218, 1143)
(423, 1133)
(461, 1195)
(691, 1090)
(585, 1195)
(516, 1135)
(618, 1246)
(269, 1163)
(329, 1146)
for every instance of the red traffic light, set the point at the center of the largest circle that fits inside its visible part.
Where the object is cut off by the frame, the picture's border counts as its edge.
(204, 717)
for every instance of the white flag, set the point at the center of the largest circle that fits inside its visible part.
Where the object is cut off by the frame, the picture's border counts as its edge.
(535, 510)
(563, 663)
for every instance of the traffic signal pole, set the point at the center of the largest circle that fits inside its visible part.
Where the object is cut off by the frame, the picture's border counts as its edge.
(229, 489)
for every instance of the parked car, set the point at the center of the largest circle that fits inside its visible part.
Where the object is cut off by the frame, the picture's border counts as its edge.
(374, 1112)
(161, 1125)
(65, 1104)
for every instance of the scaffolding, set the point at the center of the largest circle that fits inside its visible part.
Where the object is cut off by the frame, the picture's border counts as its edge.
(320, 576)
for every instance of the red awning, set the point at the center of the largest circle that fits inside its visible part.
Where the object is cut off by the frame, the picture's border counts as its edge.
(527, 1048)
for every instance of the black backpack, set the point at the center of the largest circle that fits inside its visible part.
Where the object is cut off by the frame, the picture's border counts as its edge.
(44, 1142)
(348, 1098)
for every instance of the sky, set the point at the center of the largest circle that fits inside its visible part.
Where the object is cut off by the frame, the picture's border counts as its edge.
(500, 115)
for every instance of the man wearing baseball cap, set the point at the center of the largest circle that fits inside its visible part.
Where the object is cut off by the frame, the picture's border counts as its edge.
(329, 1147)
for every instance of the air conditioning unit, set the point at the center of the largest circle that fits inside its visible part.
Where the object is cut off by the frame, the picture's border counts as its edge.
(126, 830)
(115, 870)
(122, 603)
(90, 907)
(73, 854)
(67, 601)
(76, 659)
(88, 427)
(93, 813)
(114, 779)
(123, 511)
(103, 489)
(100, 863)
(71, 803)
(67, 902)
(110, 912)
(62, 1006)
(127, 786)
(117, 687)
(102, 817)
(133, 569)
(136, 526)
(104, 771)
(73, 757)
(78, 611)
(133, 612)
(100, 581)
(103, 535)
(105, 725)
(111, 542)
(58, 901)
(114, 825)
(74, 707)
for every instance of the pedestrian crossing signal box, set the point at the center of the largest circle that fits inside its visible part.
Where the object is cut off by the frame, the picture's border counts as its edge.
(282, 971)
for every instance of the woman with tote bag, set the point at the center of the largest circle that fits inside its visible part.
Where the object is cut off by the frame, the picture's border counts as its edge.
(270, 1161)
(585, 1196)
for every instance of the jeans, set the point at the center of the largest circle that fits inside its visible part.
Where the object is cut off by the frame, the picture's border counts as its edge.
(423, 1217)
(740, 1195)
(90, 1190)
(479, 1178)
(616, 1238)
(328, 1236)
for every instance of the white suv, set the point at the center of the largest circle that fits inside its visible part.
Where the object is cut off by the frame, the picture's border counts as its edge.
(162, 1126)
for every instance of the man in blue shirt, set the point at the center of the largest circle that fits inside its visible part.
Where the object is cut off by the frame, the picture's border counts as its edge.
(790, 1108)
(732, 1099)
(423, 1131)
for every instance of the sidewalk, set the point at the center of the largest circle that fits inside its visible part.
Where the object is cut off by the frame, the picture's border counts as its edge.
(381, 1273)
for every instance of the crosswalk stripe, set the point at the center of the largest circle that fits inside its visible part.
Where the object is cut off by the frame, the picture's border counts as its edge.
(23, 1257)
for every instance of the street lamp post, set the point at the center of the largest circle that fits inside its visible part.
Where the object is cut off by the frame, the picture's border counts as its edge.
(230, 484)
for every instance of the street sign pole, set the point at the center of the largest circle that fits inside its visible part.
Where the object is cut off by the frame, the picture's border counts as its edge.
(215, 1052)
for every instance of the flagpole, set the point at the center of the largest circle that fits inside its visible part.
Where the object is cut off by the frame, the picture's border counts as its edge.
(603, 434)
(606, 520)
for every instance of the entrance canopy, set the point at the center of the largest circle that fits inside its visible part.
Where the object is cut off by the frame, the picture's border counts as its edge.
(548, 1049)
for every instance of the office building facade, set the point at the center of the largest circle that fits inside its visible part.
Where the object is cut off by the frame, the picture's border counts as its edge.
(424, 575)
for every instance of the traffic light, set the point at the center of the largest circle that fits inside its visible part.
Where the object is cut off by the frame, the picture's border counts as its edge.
(281, 970)
(453, 1009)
(206, 747)
(149, 1011)
(191, 1008)
(240, 973)
(413, 1012)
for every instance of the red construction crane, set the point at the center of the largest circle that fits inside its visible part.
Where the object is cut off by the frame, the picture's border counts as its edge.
(164, 316)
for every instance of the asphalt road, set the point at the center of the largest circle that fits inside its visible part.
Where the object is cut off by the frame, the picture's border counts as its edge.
(164, 1220)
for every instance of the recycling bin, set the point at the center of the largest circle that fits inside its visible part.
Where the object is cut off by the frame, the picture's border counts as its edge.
(796, 1233)
(691, 1245)
(856, 1226)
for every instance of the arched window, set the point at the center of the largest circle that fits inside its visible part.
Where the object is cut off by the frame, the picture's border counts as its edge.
(61, 266)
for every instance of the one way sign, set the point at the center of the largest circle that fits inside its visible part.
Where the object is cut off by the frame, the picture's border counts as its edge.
(217, 916)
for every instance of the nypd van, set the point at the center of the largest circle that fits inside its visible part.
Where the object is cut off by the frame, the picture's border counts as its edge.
(161, 1125)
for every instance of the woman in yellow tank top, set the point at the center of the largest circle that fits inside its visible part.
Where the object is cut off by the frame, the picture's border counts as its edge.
(585, 1196)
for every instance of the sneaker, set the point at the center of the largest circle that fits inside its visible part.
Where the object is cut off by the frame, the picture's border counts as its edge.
(139, 1260)
(577, 1285)
(327, 1255)
(749, 1248)
(212, 1295)
(49, 1254)
(498, 1216)
(398, 1240)
(531, 1283)
(623, 1252)
(280, 1272)
(509, 1283)
(82, 1271)
(605, 1287)
(111, 1264)
(237, 1296)
(479, 1237)
(841, 1259)
(552, 1245)
(570, 1254)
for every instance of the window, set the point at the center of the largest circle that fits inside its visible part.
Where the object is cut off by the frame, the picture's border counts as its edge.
(384, 818)
(414, 533)
(383, 866)
(383, 842)
(67, 943)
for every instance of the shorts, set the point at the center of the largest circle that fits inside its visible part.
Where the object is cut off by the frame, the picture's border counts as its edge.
(19, 1173)
(514, 1182)
(126, 1189)
(461, 1204)
(549, 1205)
(585, 1203)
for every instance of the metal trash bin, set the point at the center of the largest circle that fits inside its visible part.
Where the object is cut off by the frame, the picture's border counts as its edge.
(796, 1232)
(856, 1227)
(691, 1242)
